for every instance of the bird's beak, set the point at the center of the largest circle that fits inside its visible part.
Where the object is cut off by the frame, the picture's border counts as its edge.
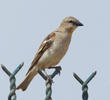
(79, 24)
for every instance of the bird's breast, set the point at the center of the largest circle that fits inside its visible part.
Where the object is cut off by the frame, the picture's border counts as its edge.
(56, 52)
(59, 48)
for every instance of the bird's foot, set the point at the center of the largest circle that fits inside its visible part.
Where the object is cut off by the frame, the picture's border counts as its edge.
(58, 68)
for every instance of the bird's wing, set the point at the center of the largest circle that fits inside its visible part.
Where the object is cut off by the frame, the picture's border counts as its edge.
(43, 47)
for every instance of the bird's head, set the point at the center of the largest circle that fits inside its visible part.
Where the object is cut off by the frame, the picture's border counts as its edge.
(69, 24)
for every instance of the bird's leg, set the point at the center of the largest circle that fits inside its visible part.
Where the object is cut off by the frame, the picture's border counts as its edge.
(58, 68)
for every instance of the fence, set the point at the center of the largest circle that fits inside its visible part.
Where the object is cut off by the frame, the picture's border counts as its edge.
(49, 81)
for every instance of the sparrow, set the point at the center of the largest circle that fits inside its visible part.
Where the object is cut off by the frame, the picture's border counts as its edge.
(52, 49)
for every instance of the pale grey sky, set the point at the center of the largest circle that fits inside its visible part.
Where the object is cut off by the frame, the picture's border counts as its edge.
(24, 24)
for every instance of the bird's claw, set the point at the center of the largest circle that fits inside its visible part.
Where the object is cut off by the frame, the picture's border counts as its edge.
(58, 68)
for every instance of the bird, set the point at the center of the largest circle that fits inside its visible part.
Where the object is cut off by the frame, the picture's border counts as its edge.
(52, 49)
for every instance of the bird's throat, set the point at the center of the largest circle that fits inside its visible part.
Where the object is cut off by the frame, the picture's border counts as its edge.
(71, 32)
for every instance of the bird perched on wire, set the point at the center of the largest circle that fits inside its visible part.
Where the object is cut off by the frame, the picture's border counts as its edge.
(52, 49)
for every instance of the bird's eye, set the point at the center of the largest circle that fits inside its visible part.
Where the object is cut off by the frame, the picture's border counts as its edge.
(70, 21)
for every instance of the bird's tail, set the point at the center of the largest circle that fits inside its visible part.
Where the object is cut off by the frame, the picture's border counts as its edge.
(27, 80)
